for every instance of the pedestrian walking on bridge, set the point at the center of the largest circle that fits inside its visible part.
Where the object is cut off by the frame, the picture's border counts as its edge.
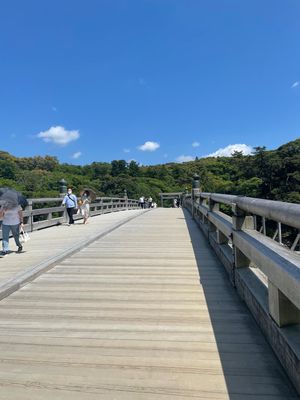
(142, 202)
(12, 220)
(85, 205)
(70, 201)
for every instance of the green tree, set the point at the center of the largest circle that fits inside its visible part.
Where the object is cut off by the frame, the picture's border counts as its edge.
(133, 168)
(118, 167)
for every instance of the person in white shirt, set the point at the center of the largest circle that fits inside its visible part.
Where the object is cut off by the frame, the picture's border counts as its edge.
(85, 206)
(12, 220)
(142, 202)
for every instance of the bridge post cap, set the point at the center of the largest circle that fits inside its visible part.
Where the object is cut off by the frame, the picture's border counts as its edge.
(63, 187)
(196, 183)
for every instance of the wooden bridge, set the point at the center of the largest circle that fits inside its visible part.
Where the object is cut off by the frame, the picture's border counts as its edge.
(137, 305)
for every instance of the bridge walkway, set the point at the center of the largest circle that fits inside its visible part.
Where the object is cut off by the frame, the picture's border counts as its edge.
(47, 246)
(145, 312)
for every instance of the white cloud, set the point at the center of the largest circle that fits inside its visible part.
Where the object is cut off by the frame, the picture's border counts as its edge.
(76, 155)
(149, 146)
(230, 149)
(295, 84)
(184, 158)
(126, 150)
(58, 135)
(195, 144)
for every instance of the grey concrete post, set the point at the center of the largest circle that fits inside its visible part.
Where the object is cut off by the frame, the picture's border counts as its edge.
(281, 309)
(195, 192)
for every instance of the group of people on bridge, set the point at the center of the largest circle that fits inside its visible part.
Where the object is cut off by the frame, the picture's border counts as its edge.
(11, 214)
(147, 202)
(77, 206)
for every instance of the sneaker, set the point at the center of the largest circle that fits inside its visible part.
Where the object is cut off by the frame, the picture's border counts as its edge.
(20, 249)
(4, 253)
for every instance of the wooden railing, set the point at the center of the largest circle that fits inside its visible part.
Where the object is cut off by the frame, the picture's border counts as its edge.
(47, 212)
(240, 242)
(264, 270)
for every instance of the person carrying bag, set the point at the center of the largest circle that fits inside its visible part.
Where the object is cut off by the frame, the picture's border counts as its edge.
(70, 201)
(12, 220)
(24, 237)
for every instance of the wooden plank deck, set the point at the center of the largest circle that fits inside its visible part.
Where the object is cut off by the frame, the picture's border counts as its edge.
(50, 243)
(130, 317)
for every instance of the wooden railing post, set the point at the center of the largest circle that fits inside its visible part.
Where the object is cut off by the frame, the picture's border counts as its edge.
(126, 199)
(240, 221)
(212, 206)
(281, 309)
(30, 217)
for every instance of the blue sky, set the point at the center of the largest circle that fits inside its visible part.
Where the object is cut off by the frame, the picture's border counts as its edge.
(98, 79)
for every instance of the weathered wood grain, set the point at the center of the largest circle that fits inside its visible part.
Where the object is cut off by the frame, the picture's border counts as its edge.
(141, 314)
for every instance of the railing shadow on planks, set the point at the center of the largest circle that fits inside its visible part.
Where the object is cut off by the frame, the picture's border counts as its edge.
(265, 272)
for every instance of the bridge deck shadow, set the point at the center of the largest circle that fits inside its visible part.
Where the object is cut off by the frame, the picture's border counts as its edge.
(251, 369)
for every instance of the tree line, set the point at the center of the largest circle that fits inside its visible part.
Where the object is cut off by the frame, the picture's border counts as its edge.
(269, 174)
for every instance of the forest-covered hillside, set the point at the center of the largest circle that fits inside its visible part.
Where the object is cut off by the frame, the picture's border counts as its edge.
(272, 174)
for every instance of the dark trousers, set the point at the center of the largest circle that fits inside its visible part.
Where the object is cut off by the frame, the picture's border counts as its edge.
(70, 212)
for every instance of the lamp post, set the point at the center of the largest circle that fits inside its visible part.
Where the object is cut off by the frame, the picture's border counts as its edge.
(62, 187)
(196, 181)
(195, 191)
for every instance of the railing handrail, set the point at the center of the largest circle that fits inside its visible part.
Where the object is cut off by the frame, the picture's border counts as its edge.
(279, 211)
(245, 245)
(265, 272)
(52, 199)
